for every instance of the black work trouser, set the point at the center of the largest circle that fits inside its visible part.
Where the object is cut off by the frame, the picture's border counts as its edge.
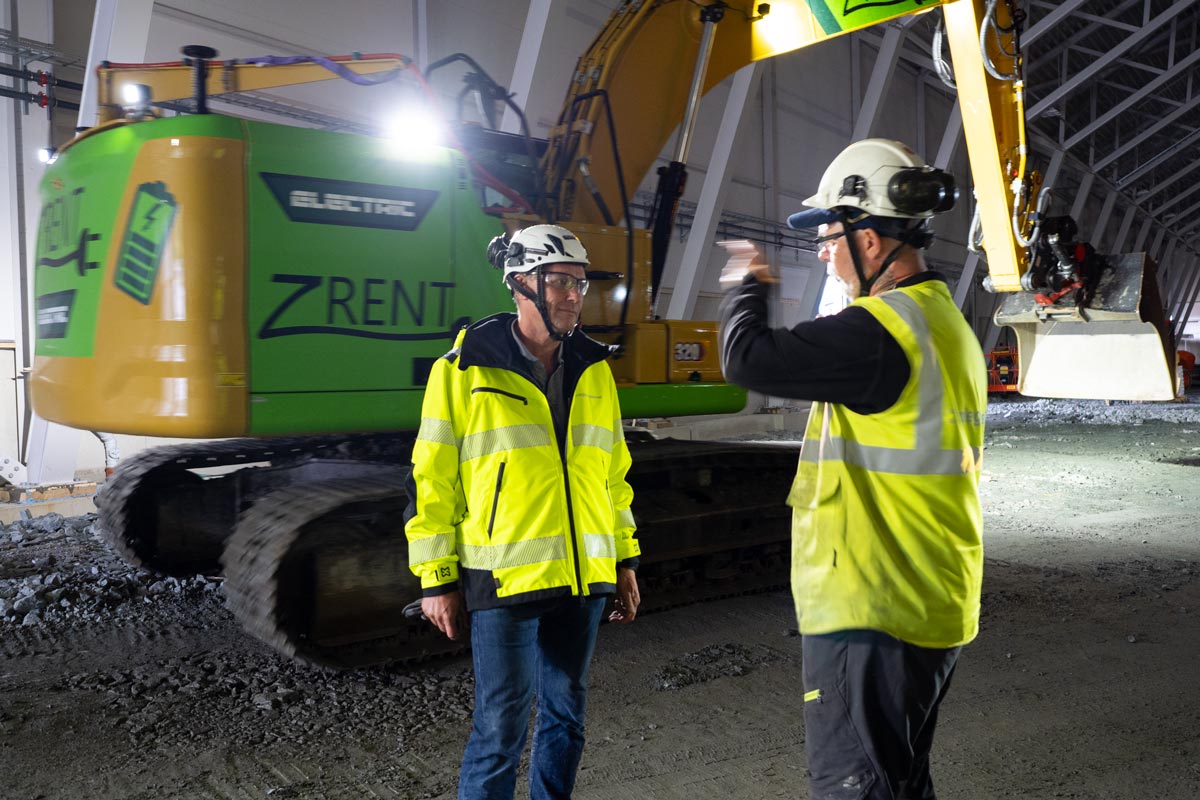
(870, 709)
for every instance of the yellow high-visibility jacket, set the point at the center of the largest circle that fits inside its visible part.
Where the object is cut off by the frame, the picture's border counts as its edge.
(505, 511)
(886, 523)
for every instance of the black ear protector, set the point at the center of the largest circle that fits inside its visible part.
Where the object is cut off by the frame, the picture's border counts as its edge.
(922, 190)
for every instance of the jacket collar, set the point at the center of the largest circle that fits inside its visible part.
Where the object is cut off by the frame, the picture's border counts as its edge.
(490, 343)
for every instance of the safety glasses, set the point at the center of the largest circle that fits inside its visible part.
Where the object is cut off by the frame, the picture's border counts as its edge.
(821, 241)
(564, 282)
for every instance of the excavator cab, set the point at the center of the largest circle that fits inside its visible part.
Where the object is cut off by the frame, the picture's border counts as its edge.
(1089, 325)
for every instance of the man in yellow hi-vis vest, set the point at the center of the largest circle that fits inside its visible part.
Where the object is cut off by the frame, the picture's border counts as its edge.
(887, 552)
(520, 513)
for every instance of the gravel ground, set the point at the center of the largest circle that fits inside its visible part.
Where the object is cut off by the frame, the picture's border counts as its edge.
(116, 683)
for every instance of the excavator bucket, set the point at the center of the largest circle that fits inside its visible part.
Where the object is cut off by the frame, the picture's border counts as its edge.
(1118, 348)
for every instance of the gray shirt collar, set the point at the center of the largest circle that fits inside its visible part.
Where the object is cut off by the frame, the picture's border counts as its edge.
(525, 350)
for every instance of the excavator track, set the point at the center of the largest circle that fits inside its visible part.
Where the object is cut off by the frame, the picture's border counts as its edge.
(160, 515)
(320, 573)
(316, 563)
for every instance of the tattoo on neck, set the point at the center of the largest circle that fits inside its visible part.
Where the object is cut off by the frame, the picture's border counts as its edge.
(885, 282)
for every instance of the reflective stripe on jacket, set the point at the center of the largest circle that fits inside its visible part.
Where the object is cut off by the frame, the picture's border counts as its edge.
(503, 510)
(886, 523)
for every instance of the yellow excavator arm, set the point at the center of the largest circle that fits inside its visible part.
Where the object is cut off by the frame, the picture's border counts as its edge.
(169, 82)
(633, 82)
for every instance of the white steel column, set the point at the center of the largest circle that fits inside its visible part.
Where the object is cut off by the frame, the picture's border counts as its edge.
(1085, 187)
(1102, 221)
(814, 290)
(14, 318)
(966, 280)
(1167, 273)
(1189, 286)
(1052, 170)
(1123, 231)
(712, 193)
(1156, 248)
(950, 138)
(420, 10)
(43, 451)
(527, 58)
(770, 149)
(1187, 299)
(993, 331)
(1143, 234)
(1186, 312)
(881, 78)
(1183, 286)
(769, 113)
(1164, 264)
(120, 30)
(1172, 271)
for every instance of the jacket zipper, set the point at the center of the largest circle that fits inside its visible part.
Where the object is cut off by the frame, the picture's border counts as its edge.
(571, 521)
(562, 454)
(496, 499)
(490, 390)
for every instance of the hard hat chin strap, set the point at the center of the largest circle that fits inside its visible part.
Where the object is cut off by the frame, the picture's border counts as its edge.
(538, 299)
(864, 283)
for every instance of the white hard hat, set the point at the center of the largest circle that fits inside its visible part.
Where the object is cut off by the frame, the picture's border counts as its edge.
(537, 246)
(882, 178)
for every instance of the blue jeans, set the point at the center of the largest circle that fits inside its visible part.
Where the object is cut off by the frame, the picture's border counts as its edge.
(546, 647)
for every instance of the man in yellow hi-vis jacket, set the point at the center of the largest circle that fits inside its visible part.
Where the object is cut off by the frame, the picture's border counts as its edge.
(887, 553)
(521, 513)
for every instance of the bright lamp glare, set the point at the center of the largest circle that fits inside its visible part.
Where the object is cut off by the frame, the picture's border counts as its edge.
(135, 94)
(46, 155)
(413, 131)
(136, 99)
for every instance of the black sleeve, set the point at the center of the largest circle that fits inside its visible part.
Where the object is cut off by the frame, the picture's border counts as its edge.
(848, 358)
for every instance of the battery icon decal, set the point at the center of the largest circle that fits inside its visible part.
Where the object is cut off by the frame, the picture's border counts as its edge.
(145, 239)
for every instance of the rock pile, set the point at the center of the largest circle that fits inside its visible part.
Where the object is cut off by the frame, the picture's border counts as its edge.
(56, 570)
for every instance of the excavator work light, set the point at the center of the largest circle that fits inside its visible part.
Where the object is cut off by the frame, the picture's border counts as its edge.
(135, 99)
(413, 132)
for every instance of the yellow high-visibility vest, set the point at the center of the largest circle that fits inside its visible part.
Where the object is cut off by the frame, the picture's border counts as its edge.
(501, 508)
(886, 521)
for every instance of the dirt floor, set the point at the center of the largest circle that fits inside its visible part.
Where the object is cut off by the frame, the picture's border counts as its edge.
(1082, 684)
